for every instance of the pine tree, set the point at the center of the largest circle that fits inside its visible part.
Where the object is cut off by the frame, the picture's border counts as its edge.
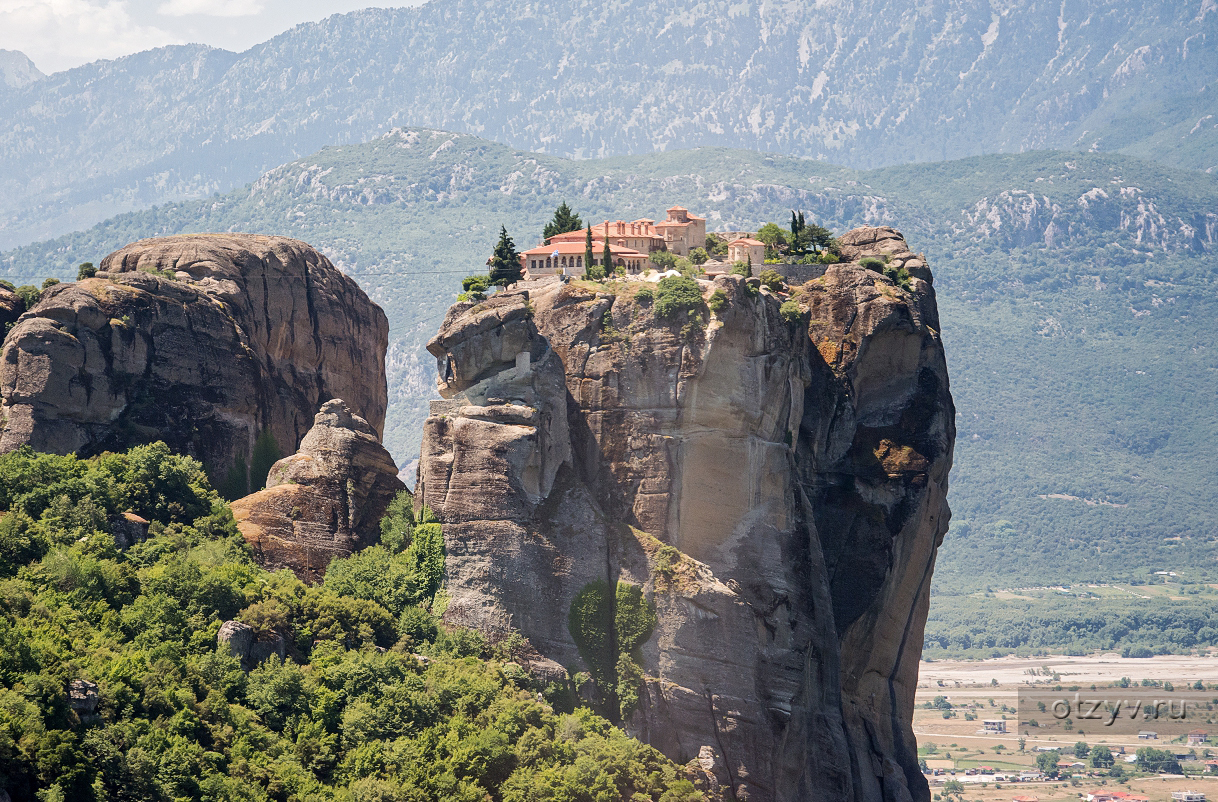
(564, 220)
(505, 262)
(588, 250)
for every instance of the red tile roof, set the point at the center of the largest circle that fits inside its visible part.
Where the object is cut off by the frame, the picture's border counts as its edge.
(577, 248)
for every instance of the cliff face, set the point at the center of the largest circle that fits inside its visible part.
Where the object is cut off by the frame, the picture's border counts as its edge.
(208, 342)
(324, 501)
(776, 491)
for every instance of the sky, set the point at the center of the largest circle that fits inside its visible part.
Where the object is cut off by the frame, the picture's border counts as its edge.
(61, 34)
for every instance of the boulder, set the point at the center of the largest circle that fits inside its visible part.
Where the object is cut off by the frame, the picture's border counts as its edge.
(128, 529)
(775, 490)
(248, 645)
(217, 344)
(324, 501)
(82, 697)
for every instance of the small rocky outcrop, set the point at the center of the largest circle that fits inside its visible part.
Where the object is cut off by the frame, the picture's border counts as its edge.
(128, 529)
(83, 698)
(214, 343)
(767, 497)
(324, 501)
(11, 307)
(249, 646)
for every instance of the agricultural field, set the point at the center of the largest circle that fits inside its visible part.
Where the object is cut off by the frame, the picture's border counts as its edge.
(976, 690)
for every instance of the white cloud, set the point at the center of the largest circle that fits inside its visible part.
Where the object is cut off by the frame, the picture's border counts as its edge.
(58, 34)
(211, 8)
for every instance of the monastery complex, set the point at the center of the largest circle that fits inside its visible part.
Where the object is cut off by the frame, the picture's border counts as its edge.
(631, 244)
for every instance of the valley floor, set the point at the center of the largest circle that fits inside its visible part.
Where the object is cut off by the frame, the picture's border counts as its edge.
(954, 744)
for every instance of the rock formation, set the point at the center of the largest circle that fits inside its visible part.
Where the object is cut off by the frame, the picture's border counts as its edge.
(209, 342)
(742, 510)
(324, 501)
(11, 307)
(249, 646)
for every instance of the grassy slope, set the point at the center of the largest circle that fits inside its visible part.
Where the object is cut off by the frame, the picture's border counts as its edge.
(1086, 369)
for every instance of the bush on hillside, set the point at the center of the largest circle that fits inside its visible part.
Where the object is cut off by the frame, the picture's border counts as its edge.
(677, 294)
(426, 716)
(790, 312)
(772, 280)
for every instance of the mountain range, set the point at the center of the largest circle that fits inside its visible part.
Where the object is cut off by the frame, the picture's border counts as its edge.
(864, 84)
(1076, 292)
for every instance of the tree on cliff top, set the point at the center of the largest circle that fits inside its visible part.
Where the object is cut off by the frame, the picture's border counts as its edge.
(505, 262)
(564, 220)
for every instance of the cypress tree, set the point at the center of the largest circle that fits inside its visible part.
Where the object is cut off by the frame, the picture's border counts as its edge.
(588, 250)
(607, 260)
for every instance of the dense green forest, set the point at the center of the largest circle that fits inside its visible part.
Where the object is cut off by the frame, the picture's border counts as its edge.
(375, 701)
(1077, 294)
(985, 626)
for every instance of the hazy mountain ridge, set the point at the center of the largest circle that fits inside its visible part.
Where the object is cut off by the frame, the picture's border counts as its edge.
(16, 70)
(1081, 368)
(863, 85)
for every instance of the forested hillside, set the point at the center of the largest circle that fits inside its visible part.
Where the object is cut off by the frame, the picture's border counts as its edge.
(1077, 294)
(862, 83)
(113, 686)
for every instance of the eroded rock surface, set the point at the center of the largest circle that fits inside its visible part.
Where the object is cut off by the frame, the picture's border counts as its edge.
(777, 490)
(249, 646)
(11, 307)
(230, 337)
(324, 501)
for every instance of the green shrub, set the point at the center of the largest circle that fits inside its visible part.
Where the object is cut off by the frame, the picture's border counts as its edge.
(677, 294)
(645, 295)
(590, 621)
(664, 260)
(50, 282)
(698, 255)
(741, 269)
(29, 294)
(397, 524)
(771, 280)
(596, 623)
(474, 288)
(666, 562)
(790, 311)
(718, 301)
(829, 258)
(86, 270)
(872, 263)
(898, 276)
